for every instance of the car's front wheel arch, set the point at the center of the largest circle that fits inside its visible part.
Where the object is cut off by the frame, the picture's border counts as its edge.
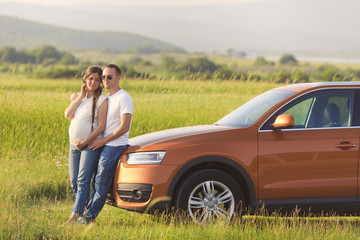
(222, 164)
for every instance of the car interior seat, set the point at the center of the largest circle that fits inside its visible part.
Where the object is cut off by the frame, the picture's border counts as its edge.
(331, 116)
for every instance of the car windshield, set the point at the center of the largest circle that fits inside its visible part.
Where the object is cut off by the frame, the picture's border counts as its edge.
(251, 111)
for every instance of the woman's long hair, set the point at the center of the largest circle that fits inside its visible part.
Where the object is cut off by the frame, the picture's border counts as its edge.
(98, 91)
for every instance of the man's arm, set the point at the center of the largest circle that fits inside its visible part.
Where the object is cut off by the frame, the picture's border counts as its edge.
(121, 130)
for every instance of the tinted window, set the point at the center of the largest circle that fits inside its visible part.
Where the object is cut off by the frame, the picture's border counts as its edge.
(322, 109)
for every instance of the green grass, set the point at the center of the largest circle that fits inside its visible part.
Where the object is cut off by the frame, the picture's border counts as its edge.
(35, 195)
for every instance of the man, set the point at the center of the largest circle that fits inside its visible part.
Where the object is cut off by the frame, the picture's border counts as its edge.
(114, 142)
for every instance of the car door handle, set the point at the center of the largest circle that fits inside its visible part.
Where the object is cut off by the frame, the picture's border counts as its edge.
(345, 145)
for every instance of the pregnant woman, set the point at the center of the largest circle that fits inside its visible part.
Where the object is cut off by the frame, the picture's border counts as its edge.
(87, 112)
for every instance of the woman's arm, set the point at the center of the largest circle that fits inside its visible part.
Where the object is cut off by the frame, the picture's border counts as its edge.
(102, 114)
(75, 102)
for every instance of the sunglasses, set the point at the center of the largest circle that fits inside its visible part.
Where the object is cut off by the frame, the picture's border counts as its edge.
(108, 77)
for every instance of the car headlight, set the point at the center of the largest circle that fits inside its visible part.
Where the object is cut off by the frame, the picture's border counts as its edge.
(142, 158)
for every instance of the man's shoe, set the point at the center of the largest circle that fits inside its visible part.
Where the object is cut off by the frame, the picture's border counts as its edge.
(85, 220)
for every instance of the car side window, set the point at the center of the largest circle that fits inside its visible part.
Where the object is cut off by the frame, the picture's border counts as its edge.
(322, 109)
(343, 104)
(300, 112)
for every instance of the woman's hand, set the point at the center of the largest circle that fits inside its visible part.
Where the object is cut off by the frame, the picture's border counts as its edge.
(76, 100)
(83, 91)
(79, 144)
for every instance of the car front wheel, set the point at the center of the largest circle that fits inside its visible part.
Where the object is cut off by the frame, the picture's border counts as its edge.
(208, 195)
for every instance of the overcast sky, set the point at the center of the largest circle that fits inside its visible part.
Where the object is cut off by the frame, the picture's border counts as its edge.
(307, 27)
(138, 2)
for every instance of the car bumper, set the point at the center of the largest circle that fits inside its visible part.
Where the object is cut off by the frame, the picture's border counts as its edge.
(142, 188)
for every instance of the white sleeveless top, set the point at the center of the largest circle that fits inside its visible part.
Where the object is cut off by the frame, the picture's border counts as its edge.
(80, 126)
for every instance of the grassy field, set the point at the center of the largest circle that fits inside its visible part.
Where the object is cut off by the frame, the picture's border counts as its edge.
(35, 195)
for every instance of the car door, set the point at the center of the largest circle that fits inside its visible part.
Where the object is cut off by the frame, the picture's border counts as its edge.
(318, 157)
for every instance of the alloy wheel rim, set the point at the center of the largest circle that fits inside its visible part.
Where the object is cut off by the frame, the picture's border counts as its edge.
(211, 200)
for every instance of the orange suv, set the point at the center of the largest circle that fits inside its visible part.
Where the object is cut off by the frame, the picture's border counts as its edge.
(292, 146)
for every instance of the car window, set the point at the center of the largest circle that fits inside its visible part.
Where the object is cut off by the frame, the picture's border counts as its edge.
(301, 111)
(344, 105)
(322, 109)
(251, 111)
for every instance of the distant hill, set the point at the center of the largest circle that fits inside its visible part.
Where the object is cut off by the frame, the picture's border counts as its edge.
(309, 28)
(21, 33)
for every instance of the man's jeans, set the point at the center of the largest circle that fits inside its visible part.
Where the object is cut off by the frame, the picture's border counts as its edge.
(108, 160)
(82, 166)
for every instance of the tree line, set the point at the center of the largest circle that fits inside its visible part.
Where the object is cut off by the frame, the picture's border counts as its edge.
(48, 62)
(42, 55)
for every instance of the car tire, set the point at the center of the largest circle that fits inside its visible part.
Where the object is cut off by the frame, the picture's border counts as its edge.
(209, 194)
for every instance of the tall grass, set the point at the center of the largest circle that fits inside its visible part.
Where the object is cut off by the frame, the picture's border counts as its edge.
(35, 197)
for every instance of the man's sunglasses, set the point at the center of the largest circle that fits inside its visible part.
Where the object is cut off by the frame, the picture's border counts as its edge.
(108, 77)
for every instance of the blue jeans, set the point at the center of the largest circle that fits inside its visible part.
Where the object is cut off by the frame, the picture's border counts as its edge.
(108, 161)
(82, 165)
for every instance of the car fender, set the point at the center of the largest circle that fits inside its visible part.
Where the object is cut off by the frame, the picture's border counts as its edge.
(211, 159)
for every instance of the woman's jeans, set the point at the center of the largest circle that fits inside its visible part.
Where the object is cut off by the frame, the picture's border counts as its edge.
(82, 166)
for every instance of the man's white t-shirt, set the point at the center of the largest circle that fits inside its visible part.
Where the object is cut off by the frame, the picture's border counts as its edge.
(80, 126)
(118, 103)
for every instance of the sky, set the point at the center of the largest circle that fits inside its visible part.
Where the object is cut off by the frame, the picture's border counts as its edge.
(137, 3)
(258, 27)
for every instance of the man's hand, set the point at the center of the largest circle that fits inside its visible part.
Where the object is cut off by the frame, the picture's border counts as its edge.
(74, 96)
(96, 143)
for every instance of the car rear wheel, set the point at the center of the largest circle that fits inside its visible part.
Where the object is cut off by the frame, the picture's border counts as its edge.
(208, 195)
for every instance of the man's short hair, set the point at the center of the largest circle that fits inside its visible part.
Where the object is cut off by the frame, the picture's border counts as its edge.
(117, 69)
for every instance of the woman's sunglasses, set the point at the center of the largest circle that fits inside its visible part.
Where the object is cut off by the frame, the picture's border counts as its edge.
(108, 77)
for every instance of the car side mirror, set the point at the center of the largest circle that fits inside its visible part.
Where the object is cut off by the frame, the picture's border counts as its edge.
(283, 121)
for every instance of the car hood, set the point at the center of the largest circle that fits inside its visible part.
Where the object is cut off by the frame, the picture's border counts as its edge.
(165, 135)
